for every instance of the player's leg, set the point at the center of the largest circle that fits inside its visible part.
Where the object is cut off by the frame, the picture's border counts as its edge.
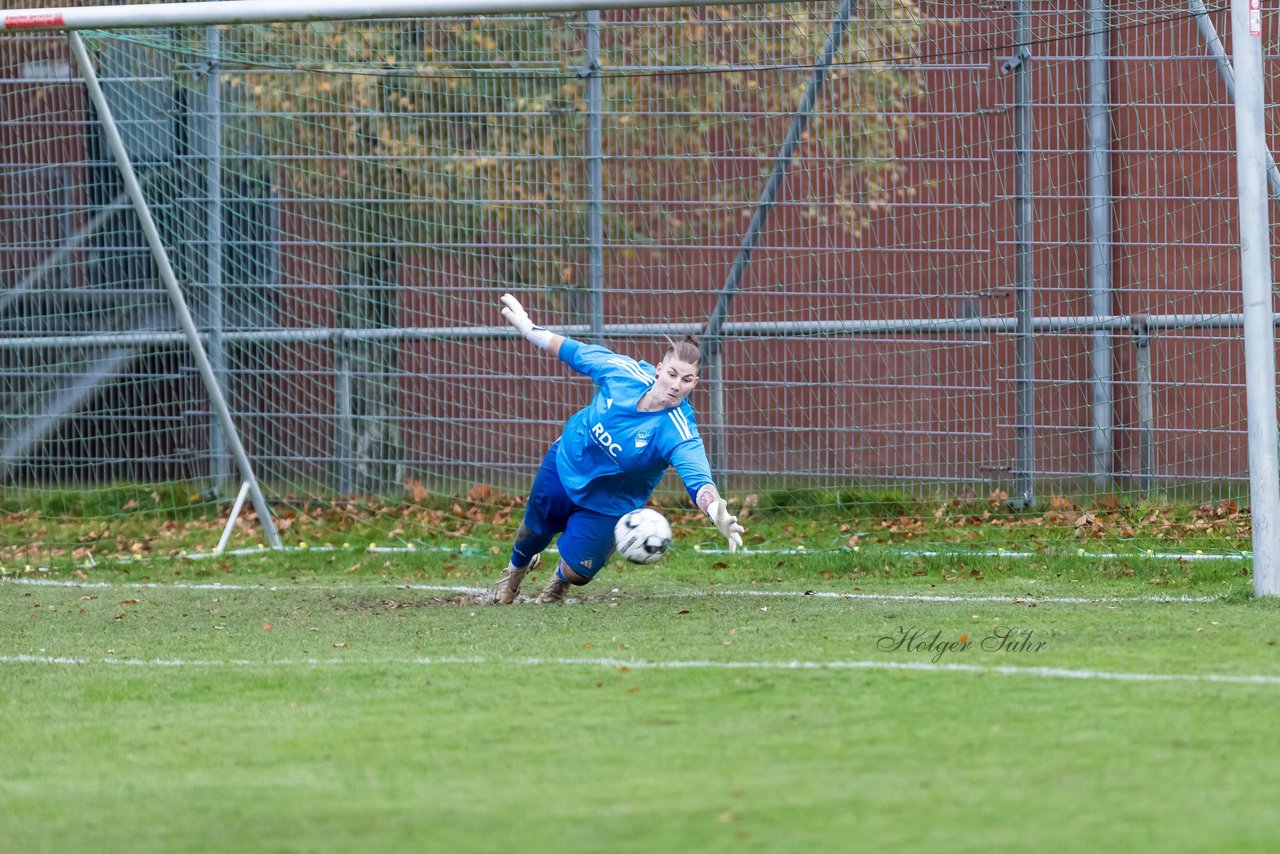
(557, 587)
(546, 513)
(585, 547)
(525, 558)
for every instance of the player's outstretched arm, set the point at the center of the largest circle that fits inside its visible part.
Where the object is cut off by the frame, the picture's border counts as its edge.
(515, 314)
(718, 510)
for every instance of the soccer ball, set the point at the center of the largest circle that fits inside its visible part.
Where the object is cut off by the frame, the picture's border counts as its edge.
(642, 536)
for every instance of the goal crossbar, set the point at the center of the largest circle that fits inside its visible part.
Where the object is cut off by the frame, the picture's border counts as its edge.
(271, 11)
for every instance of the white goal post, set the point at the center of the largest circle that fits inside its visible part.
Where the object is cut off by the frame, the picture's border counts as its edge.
(1255, 268)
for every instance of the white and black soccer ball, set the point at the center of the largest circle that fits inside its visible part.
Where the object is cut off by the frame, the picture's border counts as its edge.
(642, 536)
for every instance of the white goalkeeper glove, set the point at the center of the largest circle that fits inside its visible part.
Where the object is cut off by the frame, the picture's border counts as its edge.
(726, 523)
(515, 314)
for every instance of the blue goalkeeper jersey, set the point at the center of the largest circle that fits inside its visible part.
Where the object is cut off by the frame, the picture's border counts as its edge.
(612, 455)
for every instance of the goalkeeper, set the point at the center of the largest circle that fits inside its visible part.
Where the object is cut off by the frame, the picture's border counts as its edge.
(609, 459)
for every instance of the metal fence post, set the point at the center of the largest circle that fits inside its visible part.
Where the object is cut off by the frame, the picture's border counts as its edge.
(219, 459)
(595, 177)
(1146, 406)
(344, 417)
(1024, 286)
(1100, 344)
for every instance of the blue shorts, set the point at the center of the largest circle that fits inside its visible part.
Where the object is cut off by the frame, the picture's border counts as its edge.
(586, 540)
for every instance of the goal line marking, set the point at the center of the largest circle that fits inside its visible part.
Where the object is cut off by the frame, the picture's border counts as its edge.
(1012, 599)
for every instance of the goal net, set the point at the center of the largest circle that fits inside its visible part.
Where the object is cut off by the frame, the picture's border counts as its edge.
(949, 256)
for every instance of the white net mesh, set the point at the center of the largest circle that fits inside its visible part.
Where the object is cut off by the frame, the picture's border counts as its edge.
(343, 203)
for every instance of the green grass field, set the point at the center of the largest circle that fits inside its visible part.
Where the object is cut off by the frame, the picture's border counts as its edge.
(365, 702)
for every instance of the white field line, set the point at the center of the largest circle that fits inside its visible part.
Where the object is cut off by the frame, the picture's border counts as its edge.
(642, 664)
(929, 597)
(481, 591)
(699, 548)
(789, 550)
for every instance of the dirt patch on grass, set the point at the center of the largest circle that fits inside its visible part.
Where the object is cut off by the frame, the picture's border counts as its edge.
(398, 603)
(461, 600)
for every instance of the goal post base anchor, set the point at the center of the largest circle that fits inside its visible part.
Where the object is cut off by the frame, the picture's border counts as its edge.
(231, 519)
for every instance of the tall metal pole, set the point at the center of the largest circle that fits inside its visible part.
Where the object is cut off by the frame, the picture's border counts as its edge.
(1255, 271)
(595, 176)
(219, 460)
(1024, 336)
(130, 180)
(1100, 344)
